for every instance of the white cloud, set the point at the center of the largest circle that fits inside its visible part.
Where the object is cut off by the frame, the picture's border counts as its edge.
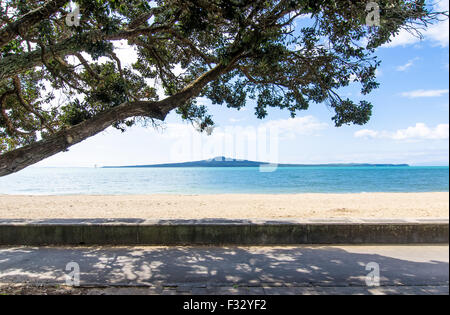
(235, 120)
(408, 65)
(422, 131)
(302, 18)
(425, 93)
(418, 132)
(438, 33)
(308, 125)
(285, 128)
(125, 53)
(366, 133)
(251, 142)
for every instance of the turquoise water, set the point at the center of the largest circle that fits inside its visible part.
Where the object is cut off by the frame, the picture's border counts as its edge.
(64, 181)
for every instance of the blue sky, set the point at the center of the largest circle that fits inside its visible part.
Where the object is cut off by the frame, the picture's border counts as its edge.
(410, 123)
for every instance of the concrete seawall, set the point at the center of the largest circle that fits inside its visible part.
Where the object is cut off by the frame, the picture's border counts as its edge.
(222, 232)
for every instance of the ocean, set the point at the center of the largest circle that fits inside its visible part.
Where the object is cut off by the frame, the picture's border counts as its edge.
(288, 180)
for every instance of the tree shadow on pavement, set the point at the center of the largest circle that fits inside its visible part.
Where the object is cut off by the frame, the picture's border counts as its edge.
(216, 267)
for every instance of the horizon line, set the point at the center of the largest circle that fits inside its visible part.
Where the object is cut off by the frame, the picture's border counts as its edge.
(324, 164)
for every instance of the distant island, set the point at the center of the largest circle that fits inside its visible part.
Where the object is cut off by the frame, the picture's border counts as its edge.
(228, 162)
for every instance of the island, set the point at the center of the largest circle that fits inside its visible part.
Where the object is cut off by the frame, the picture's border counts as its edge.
(222, 161)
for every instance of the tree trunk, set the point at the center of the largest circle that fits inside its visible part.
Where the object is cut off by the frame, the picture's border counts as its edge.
(21, 158)
(17, 160)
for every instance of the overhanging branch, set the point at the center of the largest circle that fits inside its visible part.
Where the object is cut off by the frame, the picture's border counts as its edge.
(20, 63)
(21, 158)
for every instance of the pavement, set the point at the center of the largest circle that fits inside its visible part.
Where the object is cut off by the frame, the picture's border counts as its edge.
(230, 270)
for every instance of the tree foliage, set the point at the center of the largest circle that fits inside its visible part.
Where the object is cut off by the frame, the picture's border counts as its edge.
(57, 79)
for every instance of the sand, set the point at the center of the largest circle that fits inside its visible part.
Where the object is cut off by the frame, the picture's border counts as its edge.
(236, 206)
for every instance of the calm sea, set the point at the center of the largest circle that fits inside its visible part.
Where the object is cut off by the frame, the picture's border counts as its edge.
(128, 181)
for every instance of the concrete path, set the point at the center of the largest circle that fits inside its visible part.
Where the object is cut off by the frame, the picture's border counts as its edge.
(234, 270)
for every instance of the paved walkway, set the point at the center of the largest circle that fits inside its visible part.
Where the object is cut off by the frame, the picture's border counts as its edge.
(234, 270)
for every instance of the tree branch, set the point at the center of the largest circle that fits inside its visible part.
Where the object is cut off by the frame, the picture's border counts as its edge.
(9, 125)
(19, 27)
(19, 63)
(21, 158)
(86, 65)
(29, 107)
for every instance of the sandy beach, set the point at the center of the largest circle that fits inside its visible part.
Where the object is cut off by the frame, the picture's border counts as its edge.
(236, 206)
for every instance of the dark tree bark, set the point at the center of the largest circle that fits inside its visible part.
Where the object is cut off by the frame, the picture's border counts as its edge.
(21, 158)
(17, 160)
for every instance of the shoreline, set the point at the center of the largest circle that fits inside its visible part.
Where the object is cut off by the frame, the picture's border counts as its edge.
(230, 194)
(425, 205)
